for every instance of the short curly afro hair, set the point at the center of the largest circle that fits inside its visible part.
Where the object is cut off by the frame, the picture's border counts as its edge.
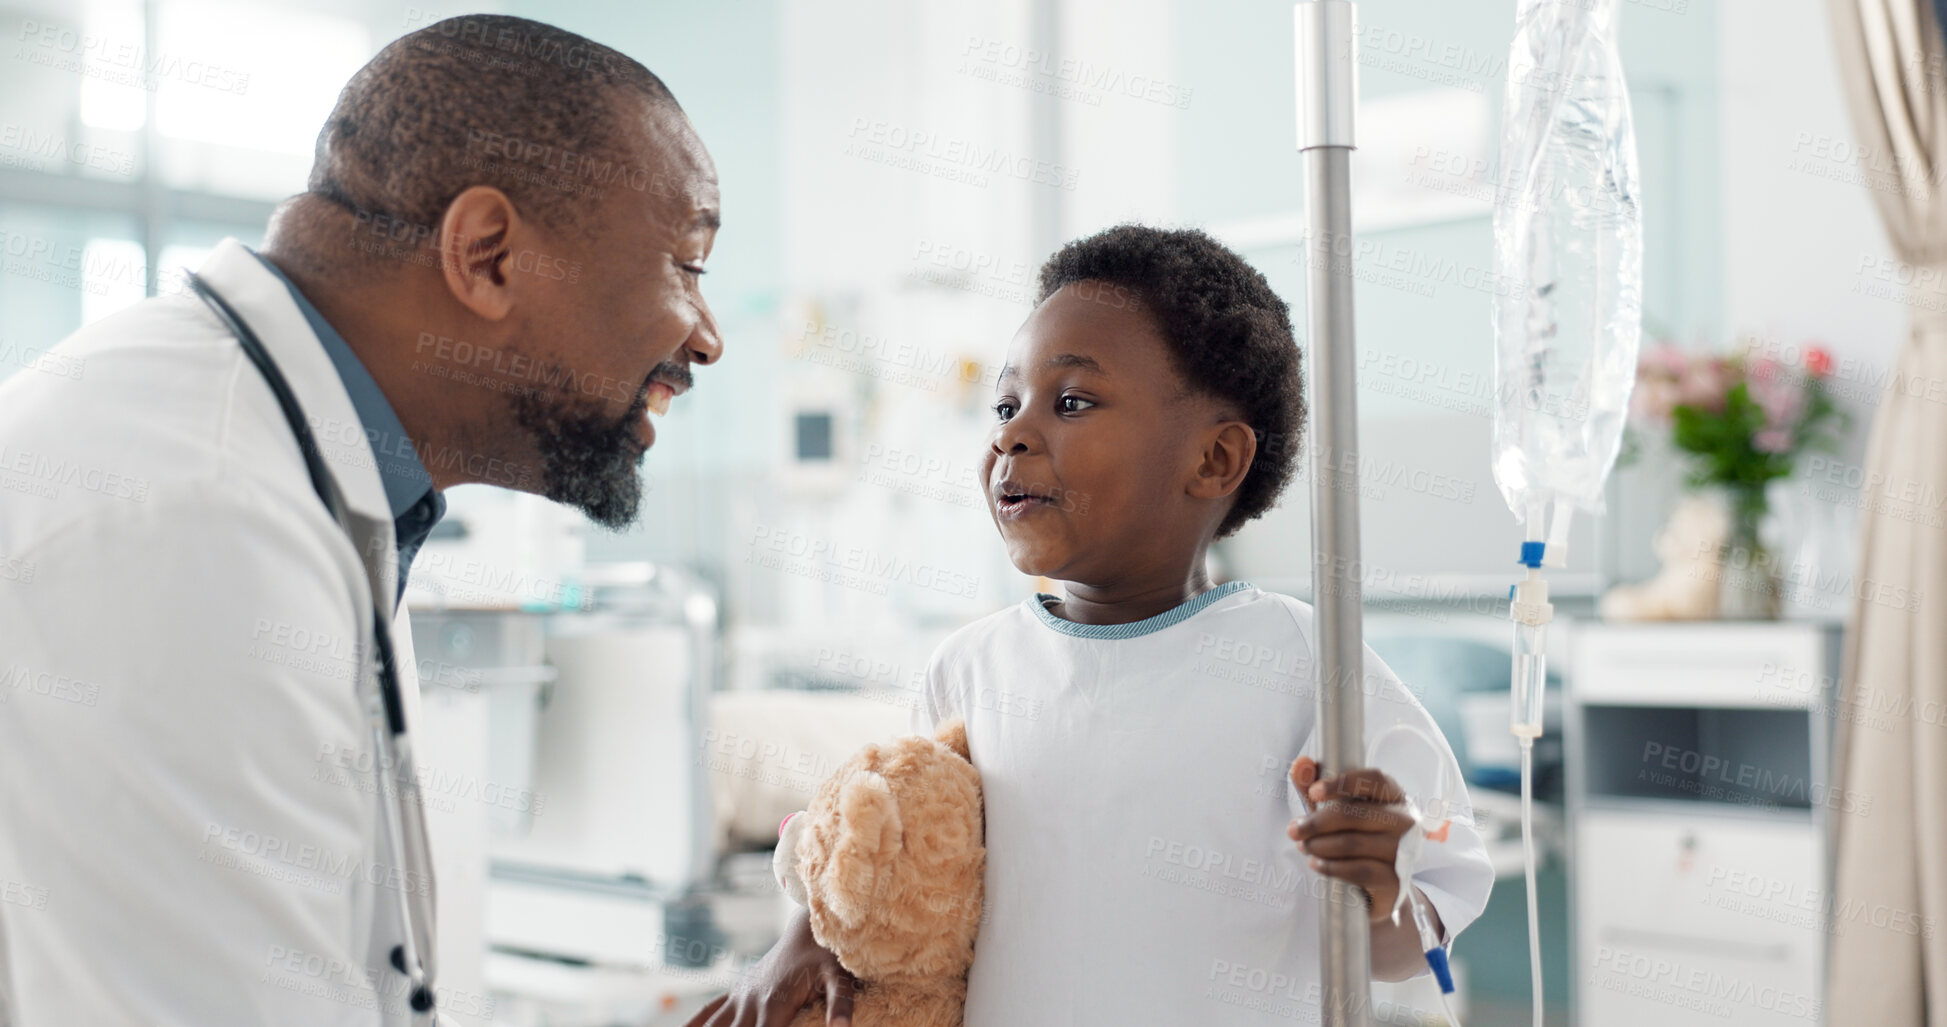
(1229, 336)
(485, 99)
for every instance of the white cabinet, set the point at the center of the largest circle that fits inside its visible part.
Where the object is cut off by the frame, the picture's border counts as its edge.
(1698, 795)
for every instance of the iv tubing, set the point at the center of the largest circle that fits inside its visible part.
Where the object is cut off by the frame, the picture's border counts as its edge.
(1531, 612)
(1436, 953)
(1528, 857)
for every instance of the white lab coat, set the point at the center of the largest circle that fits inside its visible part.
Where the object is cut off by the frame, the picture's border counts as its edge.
(183, 837)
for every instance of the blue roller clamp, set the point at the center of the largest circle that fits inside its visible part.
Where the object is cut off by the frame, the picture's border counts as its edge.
(1437, 959)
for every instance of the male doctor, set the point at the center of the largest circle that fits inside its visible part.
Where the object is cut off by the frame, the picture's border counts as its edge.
(493, 276)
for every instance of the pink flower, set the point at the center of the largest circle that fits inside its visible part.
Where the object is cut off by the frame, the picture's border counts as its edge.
(1818, 361)
(1665, 360)
(1653, 400)
(1763, 369)
(1772, 440)
(1704, 386)
(1780, 396)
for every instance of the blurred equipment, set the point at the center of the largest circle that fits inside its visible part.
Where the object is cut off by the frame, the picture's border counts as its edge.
(610, 862)
(500, 550)
(1699, 802)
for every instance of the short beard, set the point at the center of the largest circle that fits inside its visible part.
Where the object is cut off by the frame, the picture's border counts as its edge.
(588, 459)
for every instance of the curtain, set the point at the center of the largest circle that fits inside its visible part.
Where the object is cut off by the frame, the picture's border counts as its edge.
(1888, 952)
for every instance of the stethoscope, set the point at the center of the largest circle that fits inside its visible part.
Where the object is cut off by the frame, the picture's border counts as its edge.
(385, 712)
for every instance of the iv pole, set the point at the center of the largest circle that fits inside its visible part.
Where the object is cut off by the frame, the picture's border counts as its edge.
(1327, 96)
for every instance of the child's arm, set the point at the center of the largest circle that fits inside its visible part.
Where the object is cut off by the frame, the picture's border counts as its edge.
(1353, 833)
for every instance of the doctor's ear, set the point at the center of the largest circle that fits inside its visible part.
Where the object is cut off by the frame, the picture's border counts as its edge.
(475, 250)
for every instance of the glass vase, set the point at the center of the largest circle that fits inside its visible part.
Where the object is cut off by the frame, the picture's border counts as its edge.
(1748, 581)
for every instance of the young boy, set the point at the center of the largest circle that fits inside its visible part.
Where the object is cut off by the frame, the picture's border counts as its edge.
(1134, 734)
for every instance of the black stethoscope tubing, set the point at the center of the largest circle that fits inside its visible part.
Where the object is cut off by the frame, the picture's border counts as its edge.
(388, 673)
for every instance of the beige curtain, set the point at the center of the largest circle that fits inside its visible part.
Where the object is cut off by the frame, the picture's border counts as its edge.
(1891, 856)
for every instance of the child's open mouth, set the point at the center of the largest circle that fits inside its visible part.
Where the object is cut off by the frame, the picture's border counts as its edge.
(1012, 500)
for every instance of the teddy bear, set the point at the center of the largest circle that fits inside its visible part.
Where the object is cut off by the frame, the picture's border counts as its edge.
(890, 860)
(1687, 586)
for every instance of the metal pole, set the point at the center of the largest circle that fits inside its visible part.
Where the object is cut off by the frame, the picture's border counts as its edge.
(1045, 133)
(1327, 98)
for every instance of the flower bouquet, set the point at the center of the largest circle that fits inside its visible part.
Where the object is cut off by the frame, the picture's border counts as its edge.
(1742, 420)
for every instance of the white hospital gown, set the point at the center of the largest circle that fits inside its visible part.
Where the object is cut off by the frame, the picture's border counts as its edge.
(1138, 870)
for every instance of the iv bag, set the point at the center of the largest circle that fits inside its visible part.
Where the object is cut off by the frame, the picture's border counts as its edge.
(1568, 243)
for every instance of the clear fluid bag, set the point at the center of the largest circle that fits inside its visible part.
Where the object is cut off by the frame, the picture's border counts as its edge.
(1568, 246)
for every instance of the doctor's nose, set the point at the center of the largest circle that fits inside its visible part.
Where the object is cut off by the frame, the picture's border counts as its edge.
(705, 344)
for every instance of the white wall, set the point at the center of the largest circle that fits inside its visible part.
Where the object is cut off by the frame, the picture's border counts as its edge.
(1793, 239)
(1798, 228)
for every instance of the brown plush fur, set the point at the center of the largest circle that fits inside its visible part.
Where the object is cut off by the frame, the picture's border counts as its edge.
(894, 861)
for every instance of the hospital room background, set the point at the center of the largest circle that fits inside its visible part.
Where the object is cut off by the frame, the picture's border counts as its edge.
(615, 723)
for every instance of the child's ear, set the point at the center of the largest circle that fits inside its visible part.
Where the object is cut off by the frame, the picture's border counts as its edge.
(1228, 449)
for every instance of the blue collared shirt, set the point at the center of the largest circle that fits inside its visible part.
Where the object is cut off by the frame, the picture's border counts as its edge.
(416, 505)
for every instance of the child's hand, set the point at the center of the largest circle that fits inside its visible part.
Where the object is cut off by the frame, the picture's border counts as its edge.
(1353, 830)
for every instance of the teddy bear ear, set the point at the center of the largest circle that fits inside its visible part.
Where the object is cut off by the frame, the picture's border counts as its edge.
(953, 735)
(869, 834)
